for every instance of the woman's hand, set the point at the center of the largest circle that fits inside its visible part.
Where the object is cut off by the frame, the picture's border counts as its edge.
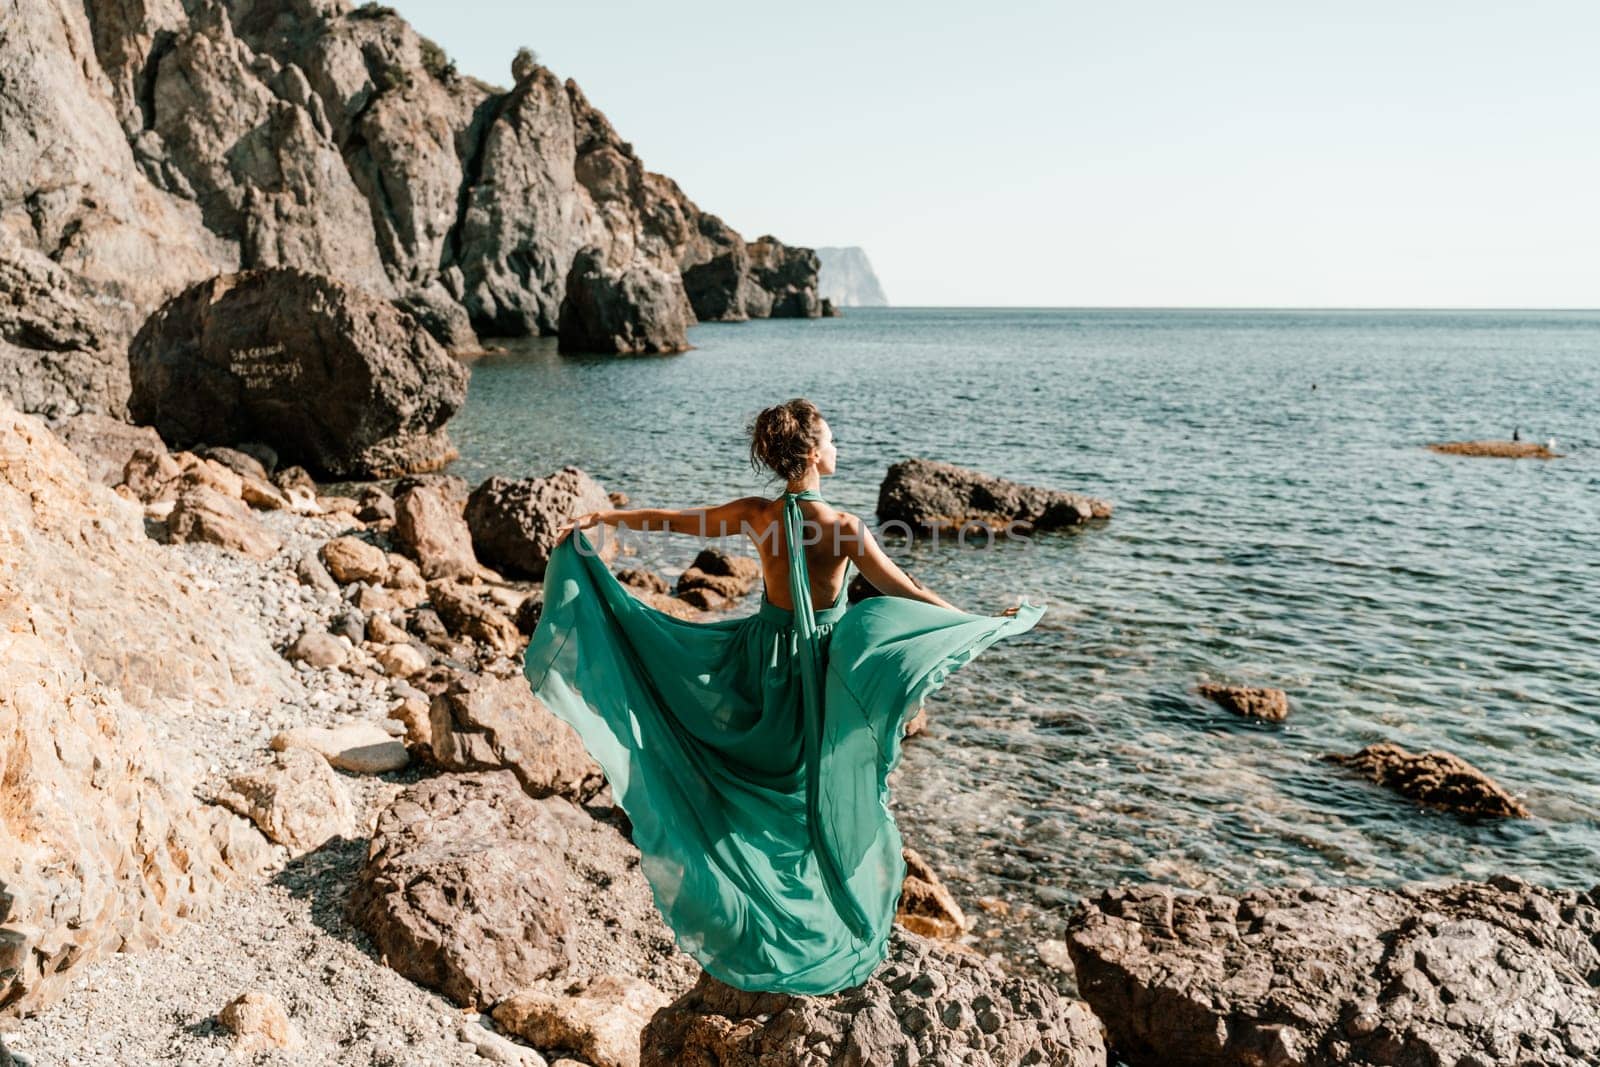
(582, 522)
(1012, 610)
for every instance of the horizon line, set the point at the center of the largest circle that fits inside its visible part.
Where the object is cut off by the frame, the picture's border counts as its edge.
(1201, 307)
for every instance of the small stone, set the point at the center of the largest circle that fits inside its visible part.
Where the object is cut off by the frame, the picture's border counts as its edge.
(259, 1022)
(358, 747)
(319, 649)
(402, 660)
(350, 559)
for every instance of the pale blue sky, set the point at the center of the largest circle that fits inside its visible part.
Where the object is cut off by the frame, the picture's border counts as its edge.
(1442, 154)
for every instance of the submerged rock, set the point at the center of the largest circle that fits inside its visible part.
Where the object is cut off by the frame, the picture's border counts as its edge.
(927, 1003)
(1474, 975)
(1437, 779)
(328, 375)
(1253, 702)
(925, 495)
(637, 310)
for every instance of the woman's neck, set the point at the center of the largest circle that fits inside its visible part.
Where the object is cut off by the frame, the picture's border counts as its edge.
(812, 481)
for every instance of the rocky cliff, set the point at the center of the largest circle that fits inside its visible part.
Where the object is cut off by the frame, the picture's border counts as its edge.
(149, 144)
(846, 278)
(103, 845)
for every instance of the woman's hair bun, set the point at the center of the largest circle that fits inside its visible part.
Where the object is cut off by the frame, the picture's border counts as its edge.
(782, 437)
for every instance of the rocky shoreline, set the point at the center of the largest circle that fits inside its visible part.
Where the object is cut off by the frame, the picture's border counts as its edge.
(405, 856)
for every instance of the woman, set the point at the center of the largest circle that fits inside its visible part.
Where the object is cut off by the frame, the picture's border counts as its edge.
(752, 754)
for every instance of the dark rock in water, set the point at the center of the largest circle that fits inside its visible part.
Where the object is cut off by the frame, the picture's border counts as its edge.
(648, 581)
(860, 589)
(846, 278)
(515, 521)
(786, 278)
(727, 577)
(105, 444)
(927, 1004)
(1253, 702)
(1437, 779)
(926, 495)
(829, 310)
(1472, 975)
(477, 890)
(718, 281)
(331, 377)
(446, 320)
(206, 138)
(634, 311)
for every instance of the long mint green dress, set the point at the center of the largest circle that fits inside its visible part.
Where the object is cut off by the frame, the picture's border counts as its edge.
(752, 754)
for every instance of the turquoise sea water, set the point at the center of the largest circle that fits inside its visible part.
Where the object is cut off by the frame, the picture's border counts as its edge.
(1266, 532)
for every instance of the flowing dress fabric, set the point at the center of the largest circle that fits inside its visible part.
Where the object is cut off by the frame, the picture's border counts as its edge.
(752, 755)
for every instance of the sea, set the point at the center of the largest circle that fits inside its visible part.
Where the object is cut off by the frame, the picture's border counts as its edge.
(1278, 522)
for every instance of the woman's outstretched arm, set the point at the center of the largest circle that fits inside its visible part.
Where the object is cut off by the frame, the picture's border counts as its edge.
(724, 520)
(876, 566)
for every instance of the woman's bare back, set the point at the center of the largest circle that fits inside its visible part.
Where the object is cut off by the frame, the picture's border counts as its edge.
(825, 534)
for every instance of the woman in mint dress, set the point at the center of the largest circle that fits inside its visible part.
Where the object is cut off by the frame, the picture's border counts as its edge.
(752, 754)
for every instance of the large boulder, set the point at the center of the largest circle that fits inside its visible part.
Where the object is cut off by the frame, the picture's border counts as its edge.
(516, 522)
(1436, 779)
(103, 846)
(925, 495)
(633, 310)
(484, 723)
(475, 889)
(1491, 974)
(928, 1003)
(332, 378)
(785, 280)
